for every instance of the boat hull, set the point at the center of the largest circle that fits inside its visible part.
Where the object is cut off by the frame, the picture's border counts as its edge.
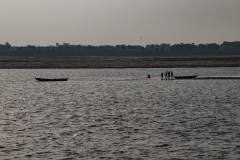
(53, 79)
(185, 77)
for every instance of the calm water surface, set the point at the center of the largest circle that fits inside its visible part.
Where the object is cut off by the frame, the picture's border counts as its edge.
(119, 114)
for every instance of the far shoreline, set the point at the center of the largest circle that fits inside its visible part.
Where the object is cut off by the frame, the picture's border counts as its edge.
(120, 62)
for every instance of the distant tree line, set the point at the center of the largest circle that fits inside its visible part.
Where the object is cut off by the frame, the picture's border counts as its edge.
(154, 49)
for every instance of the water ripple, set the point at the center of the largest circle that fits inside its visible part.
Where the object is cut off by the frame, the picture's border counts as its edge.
(118, 114)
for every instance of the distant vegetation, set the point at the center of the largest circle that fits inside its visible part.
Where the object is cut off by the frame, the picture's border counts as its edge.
(67, 49)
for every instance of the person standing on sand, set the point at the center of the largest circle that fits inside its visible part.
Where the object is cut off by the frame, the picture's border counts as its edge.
(171, 74)
(165, 75)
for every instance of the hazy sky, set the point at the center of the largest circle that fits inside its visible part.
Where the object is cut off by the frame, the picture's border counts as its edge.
(111, 22)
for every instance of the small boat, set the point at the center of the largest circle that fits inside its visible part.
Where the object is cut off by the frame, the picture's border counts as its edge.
(185, 77)
(51, 79)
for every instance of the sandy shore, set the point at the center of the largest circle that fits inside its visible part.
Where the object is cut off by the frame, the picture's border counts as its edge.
(119, 62)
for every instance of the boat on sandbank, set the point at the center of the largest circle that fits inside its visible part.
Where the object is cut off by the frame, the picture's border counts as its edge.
(185, 77)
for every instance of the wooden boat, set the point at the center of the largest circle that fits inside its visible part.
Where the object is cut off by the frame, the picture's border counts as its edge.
(185, 77)
(51, 79)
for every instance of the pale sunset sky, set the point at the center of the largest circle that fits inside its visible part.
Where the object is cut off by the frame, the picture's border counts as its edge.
(112, 22)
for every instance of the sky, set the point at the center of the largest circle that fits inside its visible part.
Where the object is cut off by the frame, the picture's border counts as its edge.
(113, 22)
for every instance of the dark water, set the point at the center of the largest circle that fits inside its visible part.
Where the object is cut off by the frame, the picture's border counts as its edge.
(119, 114)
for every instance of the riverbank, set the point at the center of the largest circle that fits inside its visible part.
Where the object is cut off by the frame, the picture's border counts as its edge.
(119, 62)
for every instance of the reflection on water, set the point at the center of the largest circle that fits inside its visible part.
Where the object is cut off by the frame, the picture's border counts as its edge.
(119, 114)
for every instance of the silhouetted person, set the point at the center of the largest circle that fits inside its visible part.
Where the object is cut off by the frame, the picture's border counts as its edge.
(148, 76)
(171, 74)
(162, 76)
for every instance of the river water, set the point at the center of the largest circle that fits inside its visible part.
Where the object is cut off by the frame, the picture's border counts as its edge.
(119, 114)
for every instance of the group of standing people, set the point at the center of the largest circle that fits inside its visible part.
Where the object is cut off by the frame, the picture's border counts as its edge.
(168, 75)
